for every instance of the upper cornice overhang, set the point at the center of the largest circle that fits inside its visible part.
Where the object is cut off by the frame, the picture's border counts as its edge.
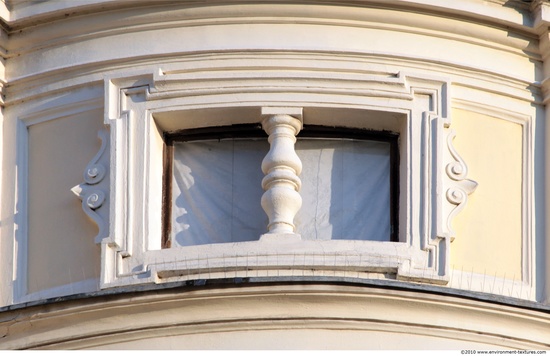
(37, 29)
(19, 14)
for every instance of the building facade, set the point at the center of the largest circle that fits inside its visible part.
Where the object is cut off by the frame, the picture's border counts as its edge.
(274, 174)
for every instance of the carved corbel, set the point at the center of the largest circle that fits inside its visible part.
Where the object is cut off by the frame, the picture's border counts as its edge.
(461, 187)
(92, 191)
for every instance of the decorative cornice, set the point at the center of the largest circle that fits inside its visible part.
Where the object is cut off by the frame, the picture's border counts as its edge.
(19, 15)
(182, 313)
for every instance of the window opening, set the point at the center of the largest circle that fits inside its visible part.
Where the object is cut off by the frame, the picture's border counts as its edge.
(212, 185)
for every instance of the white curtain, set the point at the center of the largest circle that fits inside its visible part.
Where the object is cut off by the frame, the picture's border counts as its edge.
(345, 190)
(217, 190)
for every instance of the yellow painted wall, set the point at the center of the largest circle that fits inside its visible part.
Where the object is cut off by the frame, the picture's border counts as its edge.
(489, 229)
(61, 246)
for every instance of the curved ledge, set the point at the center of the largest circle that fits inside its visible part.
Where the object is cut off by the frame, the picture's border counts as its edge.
(184, 316)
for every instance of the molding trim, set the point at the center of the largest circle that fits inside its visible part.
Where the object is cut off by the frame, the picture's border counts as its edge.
(366, 14)
(96, 322)
(421, 102)
(197, 66)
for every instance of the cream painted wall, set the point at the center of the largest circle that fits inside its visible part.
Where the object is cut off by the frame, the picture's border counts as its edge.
(367, 50)
(61, 247)
(489, 229)
(373, 56)
(300, 339)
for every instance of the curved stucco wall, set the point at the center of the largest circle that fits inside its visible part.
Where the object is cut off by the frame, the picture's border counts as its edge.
(61, 247)
(57, 100)
(493, 149)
